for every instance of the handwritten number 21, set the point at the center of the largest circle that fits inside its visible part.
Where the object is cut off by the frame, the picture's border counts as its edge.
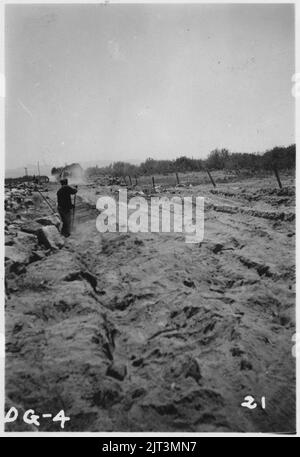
(251, 404)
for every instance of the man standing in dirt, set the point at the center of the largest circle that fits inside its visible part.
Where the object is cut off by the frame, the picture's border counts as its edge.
(65, 206)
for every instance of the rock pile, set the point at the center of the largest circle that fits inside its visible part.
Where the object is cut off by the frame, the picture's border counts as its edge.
(30, 232)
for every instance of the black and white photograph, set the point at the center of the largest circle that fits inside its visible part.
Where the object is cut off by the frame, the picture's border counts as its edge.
(149, 219)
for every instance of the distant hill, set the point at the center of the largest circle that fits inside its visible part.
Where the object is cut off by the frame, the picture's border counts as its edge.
(31, 170)
(46, 169)
(105, 163)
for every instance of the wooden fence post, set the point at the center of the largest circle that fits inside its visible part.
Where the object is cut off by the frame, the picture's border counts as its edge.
(211, 178)
(177, 177)
(277, 176)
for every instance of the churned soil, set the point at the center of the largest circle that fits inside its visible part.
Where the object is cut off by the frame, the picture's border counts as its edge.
(145, 332)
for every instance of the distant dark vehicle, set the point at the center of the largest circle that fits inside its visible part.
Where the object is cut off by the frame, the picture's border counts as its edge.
(43, 179)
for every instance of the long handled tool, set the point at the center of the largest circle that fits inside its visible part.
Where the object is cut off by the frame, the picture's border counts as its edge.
(74, 205)
(44, 198)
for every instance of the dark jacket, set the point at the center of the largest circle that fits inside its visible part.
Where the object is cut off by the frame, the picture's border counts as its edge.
(64, 202)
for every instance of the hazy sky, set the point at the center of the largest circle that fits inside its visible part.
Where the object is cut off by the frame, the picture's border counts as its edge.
(117, 82)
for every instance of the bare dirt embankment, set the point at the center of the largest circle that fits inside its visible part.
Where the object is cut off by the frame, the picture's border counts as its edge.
(143, 332)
